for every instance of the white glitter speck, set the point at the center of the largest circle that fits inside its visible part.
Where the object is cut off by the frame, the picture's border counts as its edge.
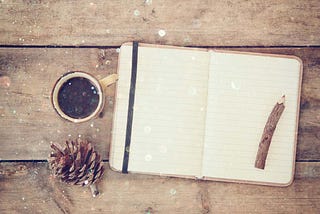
(136, 12)
(127, 149)
(79, 135)
(91, 125)
(86, 182)
(235, 86)
(14, 112)
(162, 33)
(173, 191)
(148, 2)
(148, 157)
(163, 149)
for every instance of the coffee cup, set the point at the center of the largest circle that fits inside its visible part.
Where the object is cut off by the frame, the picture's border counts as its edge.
(78, 96)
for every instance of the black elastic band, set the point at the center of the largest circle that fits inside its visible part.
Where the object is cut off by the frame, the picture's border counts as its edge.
(130, 107)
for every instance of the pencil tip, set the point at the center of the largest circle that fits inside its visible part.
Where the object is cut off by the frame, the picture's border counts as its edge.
(282, 99)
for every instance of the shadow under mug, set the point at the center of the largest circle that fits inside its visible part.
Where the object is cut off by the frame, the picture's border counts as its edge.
(78, 96)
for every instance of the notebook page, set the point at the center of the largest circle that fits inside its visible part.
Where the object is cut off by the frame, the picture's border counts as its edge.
(169, 110)
(242, 92)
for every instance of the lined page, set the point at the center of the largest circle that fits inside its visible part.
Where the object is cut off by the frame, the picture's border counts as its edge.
(242, 92)
(169, 111)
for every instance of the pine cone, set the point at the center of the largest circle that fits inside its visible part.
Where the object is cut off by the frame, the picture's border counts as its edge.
(77, 164)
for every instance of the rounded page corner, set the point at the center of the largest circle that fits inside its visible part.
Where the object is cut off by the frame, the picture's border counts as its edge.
(126, 44)
(114, 168)
(298, 60)
(287, 183)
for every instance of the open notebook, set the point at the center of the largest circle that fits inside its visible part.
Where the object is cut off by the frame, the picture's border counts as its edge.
(200, 113)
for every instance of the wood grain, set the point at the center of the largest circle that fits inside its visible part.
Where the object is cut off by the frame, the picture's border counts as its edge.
(29, 123)
(197, 23)
(33, 190)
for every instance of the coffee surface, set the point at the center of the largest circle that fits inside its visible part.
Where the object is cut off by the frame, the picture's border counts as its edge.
(78, 97)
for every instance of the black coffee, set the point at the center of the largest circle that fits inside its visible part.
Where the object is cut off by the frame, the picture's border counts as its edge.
(78, 97)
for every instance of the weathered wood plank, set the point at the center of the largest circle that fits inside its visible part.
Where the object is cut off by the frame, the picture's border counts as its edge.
(33, 190)
(197, 23)
(29, 123)
(307, 170)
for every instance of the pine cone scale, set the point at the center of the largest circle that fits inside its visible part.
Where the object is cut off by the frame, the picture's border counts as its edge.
(76, 163)
(88, 155)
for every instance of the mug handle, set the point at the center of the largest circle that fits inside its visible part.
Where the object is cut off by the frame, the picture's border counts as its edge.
(105, 82)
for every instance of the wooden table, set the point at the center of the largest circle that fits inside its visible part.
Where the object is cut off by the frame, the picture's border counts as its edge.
(41, 40)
